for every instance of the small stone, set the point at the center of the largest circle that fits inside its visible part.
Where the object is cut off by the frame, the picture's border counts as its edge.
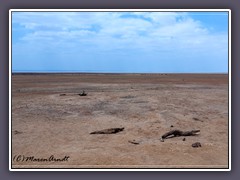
(17, 132)
(171, 126)
(108, 131)
(184, 139)
(83, 93)
(197, 119)
(134, 142)
(196, 145)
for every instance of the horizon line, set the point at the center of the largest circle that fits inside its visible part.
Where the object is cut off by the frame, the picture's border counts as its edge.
(120, 73)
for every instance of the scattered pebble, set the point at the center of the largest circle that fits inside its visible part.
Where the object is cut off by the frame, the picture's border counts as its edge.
(196, 145)
(134, 142)
(108, 131)
(197, 119)
(17, 132)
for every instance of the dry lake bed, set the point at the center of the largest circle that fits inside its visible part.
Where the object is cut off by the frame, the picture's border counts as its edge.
(51, 122)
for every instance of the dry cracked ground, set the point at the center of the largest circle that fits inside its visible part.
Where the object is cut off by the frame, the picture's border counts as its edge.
(50, 118)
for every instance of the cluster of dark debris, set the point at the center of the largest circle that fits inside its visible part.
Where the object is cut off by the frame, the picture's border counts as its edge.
(83, 93)
(170, 134)
(176, 133)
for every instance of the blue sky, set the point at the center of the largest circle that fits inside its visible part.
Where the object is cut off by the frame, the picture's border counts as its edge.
(121, 42)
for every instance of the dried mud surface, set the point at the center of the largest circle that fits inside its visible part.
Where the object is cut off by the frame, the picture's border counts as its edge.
(147, 106)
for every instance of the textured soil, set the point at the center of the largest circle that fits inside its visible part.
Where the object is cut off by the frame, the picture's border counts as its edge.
(50, 118)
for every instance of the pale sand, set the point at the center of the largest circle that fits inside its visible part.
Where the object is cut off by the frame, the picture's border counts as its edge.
(45, 123)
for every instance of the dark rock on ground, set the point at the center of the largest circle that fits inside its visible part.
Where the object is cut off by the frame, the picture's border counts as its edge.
(108, 131)
(196, 145)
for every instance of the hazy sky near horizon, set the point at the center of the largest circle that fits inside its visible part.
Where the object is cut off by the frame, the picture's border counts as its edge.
(126, 42)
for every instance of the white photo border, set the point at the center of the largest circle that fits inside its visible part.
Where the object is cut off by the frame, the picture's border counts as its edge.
(120, 169)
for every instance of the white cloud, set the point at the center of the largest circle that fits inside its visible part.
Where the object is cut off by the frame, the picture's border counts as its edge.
(98, 32)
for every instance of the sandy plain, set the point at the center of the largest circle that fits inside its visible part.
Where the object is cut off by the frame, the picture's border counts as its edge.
(44, 123)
